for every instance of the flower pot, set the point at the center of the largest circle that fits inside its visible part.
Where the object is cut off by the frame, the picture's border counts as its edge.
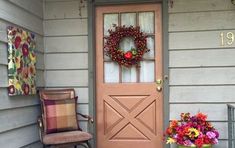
(204, 146)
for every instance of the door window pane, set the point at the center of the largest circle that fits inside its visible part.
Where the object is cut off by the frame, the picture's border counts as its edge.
(111, 72)
(128, 19)
(106, 57)
(147, 71)
(150, 45)
(146, 22)
(129, 74)
(127, 43)
(109, 20)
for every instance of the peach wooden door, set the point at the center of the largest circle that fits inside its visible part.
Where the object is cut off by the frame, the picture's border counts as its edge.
(128, 106)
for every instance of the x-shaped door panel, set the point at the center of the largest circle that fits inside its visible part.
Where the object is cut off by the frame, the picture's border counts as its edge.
(135, 115)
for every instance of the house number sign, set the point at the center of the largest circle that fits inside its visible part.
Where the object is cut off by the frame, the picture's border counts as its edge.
(227, 38)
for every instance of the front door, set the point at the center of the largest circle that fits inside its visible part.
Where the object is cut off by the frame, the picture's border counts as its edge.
(129, 105)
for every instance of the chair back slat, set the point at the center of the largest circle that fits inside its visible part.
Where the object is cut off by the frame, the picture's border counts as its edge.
(57, 94)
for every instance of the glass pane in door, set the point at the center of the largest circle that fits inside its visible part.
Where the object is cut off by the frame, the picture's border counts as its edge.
(146, 22)
(111, 72)
(129, 74)
(150, 45)
(147, 71)
(109, 21)
(128, 19)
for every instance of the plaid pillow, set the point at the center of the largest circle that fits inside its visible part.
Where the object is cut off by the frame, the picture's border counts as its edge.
(60, 115)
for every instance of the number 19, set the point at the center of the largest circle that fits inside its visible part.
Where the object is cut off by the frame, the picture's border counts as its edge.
(227, 38)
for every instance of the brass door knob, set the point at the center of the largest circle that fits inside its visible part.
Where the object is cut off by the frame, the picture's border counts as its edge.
(159, 84)
(159, 89)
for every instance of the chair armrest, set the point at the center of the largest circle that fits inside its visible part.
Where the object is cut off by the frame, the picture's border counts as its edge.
(40, 128)
(89, 118)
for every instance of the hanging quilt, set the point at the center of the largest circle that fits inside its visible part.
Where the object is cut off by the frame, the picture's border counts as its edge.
(21, 62)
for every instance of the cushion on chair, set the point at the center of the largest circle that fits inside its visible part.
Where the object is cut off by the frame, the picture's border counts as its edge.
(60, 115)
(66, 137)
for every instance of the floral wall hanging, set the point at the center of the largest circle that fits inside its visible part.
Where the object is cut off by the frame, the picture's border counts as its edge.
(21, 62)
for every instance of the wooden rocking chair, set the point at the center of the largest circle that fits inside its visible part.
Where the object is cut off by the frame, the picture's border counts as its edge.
(58, 125)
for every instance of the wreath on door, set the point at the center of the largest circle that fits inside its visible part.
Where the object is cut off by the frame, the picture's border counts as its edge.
(126, 58)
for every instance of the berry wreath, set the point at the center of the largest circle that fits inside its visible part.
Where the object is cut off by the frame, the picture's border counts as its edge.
(132, 56)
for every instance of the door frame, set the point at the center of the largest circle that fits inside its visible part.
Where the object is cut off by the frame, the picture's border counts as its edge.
(92, 4)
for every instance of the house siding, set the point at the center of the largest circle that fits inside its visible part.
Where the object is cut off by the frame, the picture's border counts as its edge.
(66, 49)
(18, 114)
(201, 70)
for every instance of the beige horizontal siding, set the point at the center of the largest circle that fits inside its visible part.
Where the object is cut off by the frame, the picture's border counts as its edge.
(201, 69)
(202, 21)
(66, 78)
(67, 61)
(200, 94)
(19, 137)
(66, 44)
(18, 114)
(182, 6)
(215, 112)
(197, 40)
(65, 10)
(22, 116)
(3, 76)
(66, 27)
(66, 50)
(40, 61)
(202, 58)
(36, 144)
(19, 16)
(202, 76)
(40, 79)
(33, 6)
(8, 102)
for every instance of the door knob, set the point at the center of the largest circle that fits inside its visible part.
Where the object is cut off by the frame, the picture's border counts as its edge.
(159, 88)
(159, 83)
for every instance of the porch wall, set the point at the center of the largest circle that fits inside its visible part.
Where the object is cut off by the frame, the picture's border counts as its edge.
(18, 115)
(201, 70)
(66, 49)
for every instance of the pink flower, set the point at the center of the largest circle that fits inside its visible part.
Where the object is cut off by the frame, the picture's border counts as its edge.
(211, 135)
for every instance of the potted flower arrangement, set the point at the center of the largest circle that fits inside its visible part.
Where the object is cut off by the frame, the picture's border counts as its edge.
(192, 132)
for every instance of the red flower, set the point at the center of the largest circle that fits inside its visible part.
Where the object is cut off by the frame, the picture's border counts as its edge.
(11, 89)
(201, 116)
(206, 139)
(128, 55)
(169, 131)
(174, 123)
(25, 50)
(199, 142)
(17, 42)
(25, 89)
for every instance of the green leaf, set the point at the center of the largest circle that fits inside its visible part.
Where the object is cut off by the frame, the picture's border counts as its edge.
(11, 71)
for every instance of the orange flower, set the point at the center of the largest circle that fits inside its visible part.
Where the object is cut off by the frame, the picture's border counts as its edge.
(201, 116)
(174, 123)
